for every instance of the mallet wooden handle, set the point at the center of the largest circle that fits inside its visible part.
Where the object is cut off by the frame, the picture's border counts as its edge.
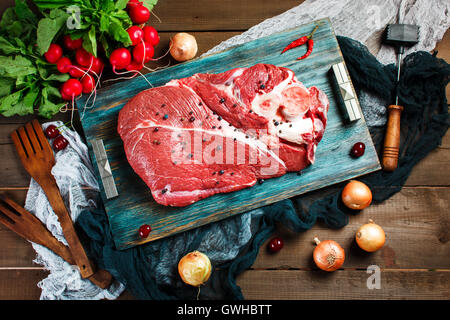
(392, 138)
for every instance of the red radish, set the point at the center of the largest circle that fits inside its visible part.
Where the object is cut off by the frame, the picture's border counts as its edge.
(53, 53)
(76, 71)
(88, 84)
(83, 57)
(96, 67)
(133, 3)
(71, 44)
(134, 66)
(65, 97)
(139, 14)
(72, 88)
(151, 35)
(64, 65)
(136, 34)
(143, 52)
(120, 58)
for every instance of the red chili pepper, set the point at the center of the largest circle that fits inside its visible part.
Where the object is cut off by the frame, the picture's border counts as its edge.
(296, 43)
(300, 41)
(310, 49)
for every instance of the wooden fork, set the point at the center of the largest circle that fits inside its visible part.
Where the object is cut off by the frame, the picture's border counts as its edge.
(37, 158)
(26, 225)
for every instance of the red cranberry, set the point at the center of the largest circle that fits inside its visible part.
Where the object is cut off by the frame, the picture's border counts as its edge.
(144, 231)
(275, 244)
(51, 131)
(60, 143)
(358, 149)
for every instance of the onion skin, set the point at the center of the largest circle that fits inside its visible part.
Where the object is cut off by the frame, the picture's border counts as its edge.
(183, 46)
(356, 195)
(194, 268)
(370, 237)
(328, 255)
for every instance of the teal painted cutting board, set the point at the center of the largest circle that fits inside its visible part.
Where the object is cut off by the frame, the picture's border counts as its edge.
(135, 206)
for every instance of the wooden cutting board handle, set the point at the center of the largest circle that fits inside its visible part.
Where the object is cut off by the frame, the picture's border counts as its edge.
(392, 139)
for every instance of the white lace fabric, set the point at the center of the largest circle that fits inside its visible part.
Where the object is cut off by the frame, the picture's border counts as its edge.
(359, 20)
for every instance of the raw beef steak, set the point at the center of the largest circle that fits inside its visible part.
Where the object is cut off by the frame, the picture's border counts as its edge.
(213, 133)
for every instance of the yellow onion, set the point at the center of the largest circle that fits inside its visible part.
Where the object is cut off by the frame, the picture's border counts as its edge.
(194, 268)
(328, 255)
(370, 237)
(356, 195)
(183, 46)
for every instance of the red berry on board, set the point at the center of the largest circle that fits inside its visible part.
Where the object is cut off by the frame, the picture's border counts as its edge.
(60, 143)
(144, 231)
(51, 131)
(358, 149)
(275, 244)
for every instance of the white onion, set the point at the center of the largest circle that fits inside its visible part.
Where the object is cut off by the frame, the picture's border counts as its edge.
(370, 237)
(194, 268)
(183, 46)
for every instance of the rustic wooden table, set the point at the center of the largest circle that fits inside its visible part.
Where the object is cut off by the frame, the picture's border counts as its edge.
(414, 263)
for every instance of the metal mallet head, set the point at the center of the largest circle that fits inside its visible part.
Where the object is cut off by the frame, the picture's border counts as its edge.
(401, 35)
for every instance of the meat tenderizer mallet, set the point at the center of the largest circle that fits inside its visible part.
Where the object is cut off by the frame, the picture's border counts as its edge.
(400, 36)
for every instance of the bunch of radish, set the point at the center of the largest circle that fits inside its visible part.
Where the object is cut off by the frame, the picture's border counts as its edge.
(143, 39)
(82, 72)
(86, 68)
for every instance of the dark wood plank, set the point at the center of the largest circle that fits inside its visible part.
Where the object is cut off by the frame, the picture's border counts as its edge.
(15, 252)
(416, 222)
(195, 15)
(348, 284)
(20, 284)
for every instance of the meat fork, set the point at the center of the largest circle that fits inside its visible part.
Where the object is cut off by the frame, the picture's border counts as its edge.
(37, 158)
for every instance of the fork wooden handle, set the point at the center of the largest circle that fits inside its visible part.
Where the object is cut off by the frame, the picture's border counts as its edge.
(392, 138)
(57, 203)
